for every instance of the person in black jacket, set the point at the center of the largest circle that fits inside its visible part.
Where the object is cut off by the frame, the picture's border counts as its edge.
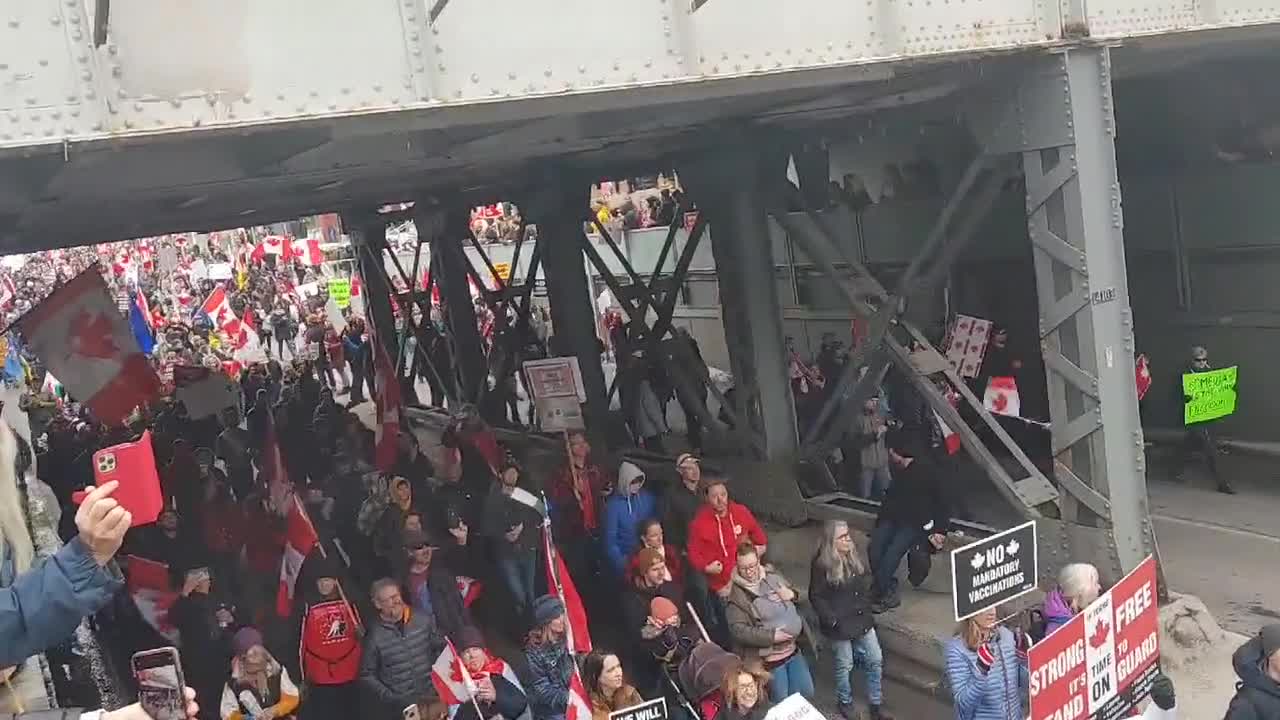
(498, 691)
(431, 588)
(840, 592)
(1257, 662)
(915, 510)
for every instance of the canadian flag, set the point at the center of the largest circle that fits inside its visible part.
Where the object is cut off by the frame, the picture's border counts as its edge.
(579, 636)
(152, 592)
(950, 437)
(1001, 397)
(272, 472)
(308, 252)
(300, 539)
(452, 680)
(579, 707)
(277, 245)
(1143, 372)
(218, 308)
(387, 401)
(81, 336)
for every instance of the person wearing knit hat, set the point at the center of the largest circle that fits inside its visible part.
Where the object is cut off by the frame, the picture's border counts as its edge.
(630, 504)
(1257, 663)
(329, 644)
(498, 690)
(258, 683)
(550, 661)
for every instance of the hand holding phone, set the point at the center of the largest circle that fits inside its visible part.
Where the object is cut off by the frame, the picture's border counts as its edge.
(102, 522)
(162, 686)
(133, 467)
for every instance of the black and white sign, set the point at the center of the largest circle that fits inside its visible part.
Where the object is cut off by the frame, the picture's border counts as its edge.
(651, 710)
(994, 570)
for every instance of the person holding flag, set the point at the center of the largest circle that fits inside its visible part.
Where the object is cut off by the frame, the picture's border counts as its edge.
(329, 650)
(476, 684)
(556, 691)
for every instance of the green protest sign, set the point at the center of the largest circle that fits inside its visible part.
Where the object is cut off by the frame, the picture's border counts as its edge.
(340, 291)
(1212, 395)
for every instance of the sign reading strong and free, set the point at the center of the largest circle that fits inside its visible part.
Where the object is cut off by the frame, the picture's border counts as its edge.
(994, 570)
(1212, 393)
(1100, 665)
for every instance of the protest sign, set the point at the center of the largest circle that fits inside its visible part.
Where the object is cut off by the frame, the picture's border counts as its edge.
(994, 570)
(555, 377)
(1212, 393)
(650, 710)
(503, 271)
(220, 271)
(794, 707)
(340, 291)
(558, 414)
(1100, 665)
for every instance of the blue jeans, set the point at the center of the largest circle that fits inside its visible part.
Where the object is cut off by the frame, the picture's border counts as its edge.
(864, 651)
(875, 481)
(889, 544)
(791, 677)
(519, 571)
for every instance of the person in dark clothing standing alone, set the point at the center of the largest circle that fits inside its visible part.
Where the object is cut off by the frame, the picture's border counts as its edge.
(1200, 437)
(915, 510)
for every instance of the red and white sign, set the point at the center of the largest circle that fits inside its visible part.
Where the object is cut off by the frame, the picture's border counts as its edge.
(554, 378)
(1101, 663)
(967, 343)
(1002, 398)
(82, 338)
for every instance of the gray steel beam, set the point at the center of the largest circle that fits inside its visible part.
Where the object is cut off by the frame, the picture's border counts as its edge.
(1076, 227)
(729, 188)
(449, 269)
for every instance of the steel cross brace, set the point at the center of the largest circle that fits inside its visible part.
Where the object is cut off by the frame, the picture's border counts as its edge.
(817, 240)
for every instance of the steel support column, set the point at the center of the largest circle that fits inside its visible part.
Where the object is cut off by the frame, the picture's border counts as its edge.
(1061, 120)
(450, 267)
(560, 212)
(368, 237)
(729, 187)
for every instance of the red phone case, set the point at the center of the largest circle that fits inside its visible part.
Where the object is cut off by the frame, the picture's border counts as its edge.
(134, 466)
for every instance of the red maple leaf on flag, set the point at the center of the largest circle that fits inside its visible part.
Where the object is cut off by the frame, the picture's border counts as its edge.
(91, 336)
(1001, 401)
(1100, 635)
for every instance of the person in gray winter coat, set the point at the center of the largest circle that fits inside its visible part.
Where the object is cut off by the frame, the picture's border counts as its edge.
(398, 651)
(1257, 663)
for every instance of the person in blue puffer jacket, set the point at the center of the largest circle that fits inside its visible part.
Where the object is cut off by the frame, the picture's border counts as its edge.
(629, 505)
(987, 669)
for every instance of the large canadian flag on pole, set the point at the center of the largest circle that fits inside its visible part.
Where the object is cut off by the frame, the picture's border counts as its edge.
(579, 707)
(153, 594)
(300, 539)
(386, 397)
(451, 679)
(82, 338)
(579, 636)
(273, 245)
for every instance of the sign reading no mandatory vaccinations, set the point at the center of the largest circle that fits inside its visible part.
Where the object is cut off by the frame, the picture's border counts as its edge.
(994, 570)
(1212, 394)
(1100, 665)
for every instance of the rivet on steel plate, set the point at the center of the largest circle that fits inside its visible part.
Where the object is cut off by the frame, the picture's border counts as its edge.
(475, 78)
(55, 20)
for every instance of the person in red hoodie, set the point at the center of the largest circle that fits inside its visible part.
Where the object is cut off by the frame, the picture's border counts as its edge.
(715, 532)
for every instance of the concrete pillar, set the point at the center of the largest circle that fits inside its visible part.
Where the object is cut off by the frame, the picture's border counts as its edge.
(729, 187)
(368, 237)
(560, 212)
(449, 269)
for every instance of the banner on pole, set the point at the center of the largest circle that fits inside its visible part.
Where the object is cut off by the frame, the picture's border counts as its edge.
(1100, 665)
(1212, 393)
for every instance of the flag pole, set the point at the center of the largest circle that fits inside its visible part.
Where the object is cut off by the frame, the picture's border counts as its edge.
(553, 557)
(302, 510)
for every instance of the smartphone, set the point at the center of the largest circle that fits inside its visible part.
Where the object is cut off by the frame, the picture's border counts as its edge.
(160, 681)
(134, 465)
(411, 712)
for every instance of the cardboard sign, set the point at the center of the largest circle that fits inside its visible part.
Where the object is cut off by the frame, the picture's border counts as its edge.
(967, 343)
(220, 271)
(794, 707)
(1101, 663)
(650, 710)
(557, 414)
(1212, 393)
(340, 291)
(503, 271)
(555, 378)
(994, 570)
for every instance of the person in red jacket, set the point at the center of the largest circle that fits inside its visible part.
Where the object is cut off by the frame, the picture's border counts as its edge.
(329, 652)
(715, 532)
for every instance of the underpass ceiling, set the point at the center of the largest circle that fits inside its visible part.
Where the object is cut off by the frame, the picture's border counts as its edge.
(71, 195)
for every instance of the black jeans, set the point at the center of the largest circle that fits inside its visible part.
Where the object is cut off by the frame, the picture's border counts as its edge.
(890, 543)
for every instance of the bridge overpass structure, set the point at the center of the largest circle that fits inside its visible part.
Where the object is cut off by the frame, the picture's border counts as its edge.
(129, 118)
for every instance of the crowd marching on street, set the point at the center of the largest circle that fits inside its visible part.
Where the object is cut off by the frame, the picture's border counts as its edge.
(307, 565)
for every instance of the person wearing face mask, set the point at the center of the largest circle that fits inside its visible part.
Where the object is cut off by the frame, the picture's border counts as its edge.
(329, 649)
(602, 675)
(629, 505)
(745, 695)
(497, 689)
(766, 626)
(259, 687)
(986, 669)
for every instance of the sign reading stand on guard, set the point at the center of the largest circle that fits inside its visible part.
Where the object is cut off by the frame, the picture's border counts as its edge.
(994, 570)
(1212, 394)
(651, 710)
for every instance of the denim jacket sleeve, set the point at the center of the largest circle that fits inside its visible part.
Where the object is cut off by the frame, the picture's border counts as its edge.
(45, 604)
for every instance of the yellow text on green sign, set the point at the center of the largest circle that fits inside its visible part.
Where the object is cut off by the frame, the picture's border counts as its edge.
(340, 291)
(1212, 393)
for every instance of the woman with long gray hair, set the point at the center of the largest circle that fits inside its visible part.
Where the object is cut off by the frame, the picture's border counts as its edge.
(840, 591)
